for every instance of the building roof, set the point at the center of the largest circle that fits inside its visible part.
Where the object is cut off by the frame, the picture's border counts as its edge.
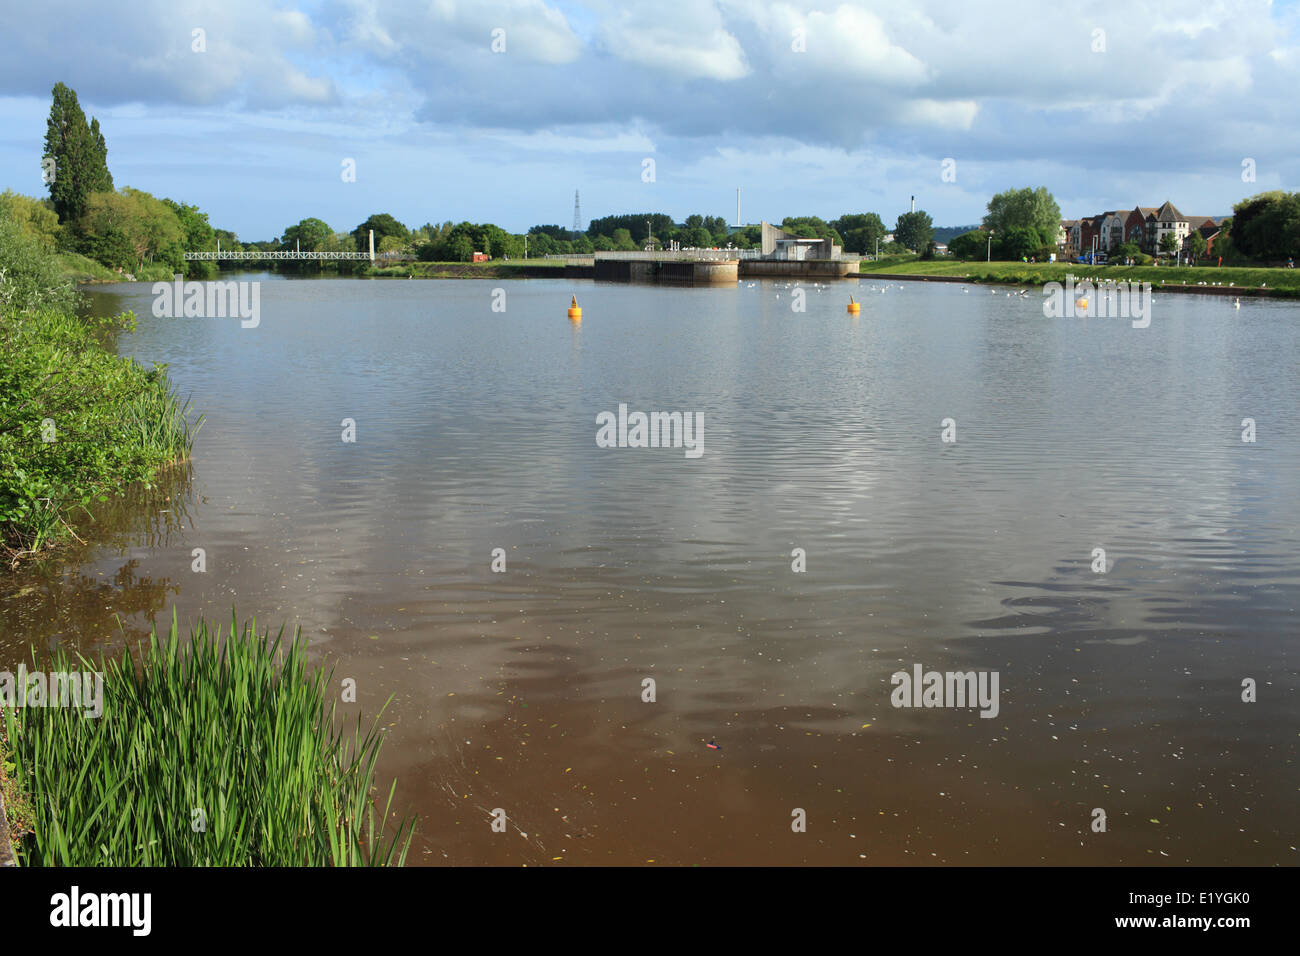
(1169, 213)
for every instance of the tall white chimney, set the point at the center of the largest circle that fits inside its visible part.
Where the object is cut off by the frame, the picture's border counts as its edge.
(913, 204)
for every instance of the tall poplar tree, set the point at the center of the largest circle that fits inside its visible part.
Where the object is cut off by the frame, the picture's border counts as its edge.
(79, 152)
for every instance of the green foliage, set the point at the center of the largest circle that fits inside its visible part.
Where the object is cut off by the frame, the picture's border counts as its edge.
(1026, 208)
(459, 243)
(970, 245)
(1267, 226)
(1169, 243)
(79, 268)
(545, 244)
(810, 227)
(228, 239)
(80, 154)
(76, 421)
(113, 249)
(860, 232)
(129, 228)
(696, 237)
(197, 235)
(635, 223)
(236, 727)
(914, 230)
(307, 235)
(1016, 243)
(1125, 251)
(555, 232)
(34, 217)
(1281, 282)
(30, 276)
(384, 226)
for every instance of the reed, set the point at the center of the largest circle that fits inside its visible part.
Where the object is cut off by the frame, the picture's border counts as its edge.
(208, 752)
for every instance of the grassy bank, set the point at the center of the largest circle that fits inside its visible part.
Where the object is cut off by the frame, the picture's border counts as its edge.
(77, 423)
(208, 752)
(79, 268)
(1281, 282)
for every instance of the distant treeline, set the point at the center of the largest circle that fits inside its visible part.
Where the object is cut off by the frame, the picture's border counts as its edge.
(458, 242)
(131, 231)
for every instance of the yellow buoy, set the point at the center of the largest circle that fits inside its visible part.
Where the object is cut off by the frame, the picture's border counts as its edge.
(1081, 303)
(854, 307)
(575, 310)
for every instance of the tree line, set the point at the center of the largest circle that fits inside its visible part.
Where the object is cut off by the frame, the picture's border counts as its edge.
(133, 231)
(125, 229)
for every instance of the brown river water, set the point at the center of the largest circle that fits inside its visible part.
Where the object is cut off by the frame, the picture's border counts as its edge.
(476, 429)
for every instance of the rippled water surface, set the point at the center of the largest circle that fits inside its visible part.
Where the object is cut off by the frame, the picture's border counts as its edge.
(475, 430)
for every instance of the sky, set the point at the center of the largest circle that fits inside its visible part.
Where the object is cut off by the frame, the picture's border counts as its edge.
(498, 110)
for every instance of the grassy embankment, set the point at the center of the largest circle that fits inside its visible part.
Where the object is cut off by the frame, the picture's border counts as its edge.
(210, 752)
(79, 268)
(77, 423)
(1279, 282)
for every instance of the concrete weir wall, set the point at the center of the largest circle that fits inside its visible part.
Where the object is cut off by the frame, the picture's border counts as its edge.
(800, 268)
(667, 270)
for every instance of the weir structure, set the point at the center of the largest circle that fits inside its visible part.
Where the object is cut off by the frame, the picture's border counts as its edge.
(781, 255)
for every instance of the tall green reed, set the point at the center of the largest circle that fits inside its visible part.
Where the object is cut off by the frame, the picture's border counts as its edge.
(209, 752)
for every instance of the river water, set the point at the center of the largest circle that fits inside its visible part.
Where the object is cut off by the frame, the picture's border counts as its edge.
(475, 407)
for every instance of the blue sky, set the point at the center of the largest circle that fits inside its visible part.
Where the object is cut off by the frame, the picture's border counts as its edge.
(812, 108)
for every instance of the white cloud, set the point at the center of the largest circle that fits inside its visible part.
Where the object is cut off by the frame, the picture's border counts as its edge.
(950, 114)
(689, 42)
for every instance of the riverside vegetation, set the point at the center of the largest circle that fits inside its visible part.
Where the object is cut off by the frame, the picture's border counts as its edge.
(236, 729)
(76, 421)
(1284, 283)
(208, 753)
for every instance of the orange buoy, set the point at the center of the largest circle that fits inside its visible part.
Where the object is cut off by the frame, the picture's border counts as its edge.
(1081, 303)
(575, 310)
(854, 307)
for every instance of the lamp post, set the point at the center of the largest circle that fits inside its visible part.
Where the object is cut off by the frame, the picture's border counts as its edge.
(649, 237)
(989, 252)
